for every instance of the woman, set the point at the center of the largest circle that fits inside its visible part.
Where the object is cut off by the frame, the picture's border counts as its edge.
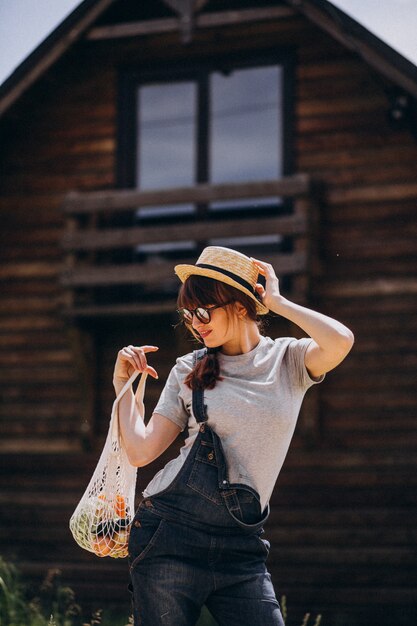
(196, 537)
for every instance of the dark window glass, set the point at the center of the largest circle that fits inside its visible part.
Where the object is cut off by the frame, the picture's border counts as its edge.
(246, 128)
(166, 138)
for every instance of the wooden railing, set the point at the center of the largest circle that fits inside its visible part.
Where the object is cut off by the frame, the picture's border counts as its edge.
(91, 240)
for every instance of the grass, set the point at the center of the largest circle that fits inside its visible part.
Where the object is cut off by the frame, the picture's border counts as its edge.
(55, 605)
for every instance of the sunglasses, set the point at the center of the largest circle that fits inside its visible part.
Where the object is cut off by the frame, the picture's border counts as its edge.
(202, 313)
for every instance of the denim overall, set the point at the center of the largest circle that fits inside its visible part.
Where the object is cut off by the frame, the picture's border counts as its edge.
(198, 542)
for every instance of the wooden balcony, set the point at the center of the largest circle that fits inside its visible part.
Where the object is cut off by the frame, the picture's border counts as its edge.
(102, 239)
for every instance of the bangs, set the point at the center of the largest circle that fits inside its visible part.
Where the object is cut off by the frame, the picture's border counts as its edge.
(201, 291)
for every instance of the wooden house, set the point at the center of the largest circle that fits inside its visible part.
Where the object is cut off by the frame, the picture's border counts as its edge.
(135, 135)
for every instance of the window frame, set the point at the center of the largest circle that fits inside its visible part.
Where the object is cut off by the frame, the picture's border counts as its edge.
(199, 70)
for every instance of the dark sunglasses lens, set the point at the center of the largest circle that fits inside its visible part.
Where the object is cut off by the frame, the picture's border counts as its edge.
(202, 315)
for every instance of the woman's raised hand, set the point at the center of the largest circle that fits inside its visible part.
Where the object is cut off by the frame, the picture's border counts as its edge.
(270, 294)
(131, 359)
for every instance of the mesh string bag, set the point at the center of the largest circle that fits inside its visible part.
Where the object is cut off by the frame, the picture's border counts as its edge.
(101, 522)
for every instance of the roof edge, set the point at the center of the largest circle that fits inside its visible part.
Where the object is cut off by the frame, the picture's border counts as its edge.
(50, 50)
(357, 38)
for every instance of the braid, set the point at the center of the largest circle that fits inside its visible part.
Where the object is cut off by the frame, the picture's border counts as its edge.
(206, 372)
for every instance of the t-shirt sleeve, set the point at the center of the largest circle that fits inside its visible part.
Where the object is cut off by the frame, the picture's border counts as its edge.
(296, 354)
(171, 404)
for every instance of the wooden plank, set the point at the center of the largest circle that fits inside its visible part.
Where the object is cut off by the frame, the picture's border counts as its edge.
(207, 20)
(20, 252)
(60, 391)
(106, 310)
(41, 445)
(93, 239)
(121, 200)
(41, 236)
(28, 357)
(367, 214)
(13, 305)
(387, 575)
(374, 193)
(38, 427)
(338, 248)
(24, 411)
(357, 88)
(36, 337)
(336, 160)
(28, 270)
(35, 376)
(370, 288)
(350, 139)
(41, 322)
(343, 105)
(156, 273)
(317, 126)
(348, 478)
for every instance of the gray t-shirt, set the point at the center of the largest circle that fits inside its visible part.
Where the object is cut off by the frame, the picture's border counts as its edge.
(253, 410)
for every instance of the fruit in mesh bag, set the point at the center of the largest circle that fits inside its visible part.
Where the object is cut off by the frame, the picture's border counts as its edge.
(102, 545)
(111, 534)
(121, 534)
(103, 509)
(120, 506)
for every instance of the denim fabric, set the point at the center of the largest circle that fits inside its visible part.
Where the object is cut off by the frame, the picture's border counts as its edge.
(199, 542)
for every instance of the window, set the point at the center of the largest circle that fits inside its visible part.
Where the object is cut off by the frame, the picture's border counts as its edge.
(229, 121)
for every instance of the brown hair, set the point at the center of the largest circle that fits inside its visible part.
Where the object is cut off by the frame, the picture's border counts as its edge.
(201, 291)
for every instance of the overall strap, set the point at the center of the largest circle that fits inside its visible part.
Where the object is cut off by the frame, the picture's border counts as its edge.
(199, 408)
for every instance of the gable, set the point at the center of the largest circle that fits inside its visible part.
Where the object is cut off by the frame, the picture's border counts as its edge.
(109, 19)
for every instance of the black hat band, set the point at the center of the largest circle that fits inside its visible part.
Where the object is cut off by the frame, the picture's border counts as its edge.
(233, 276)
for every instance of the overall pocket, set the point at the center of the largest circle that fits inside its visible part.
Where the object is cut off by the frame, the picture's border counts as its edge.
(204, 474)
(250, 508)
(146, 529)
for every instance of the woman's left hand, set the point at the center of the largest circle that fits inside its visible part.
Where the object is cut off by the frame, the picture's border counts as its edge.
(270, 295)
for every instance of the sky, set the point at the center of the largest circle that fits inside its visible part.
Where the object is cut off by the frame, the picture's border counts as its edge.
(25, 23)
(393, 21)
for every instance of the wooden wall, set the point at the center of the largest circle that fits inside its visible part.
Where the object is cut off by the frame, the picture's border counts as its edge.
(344, 512)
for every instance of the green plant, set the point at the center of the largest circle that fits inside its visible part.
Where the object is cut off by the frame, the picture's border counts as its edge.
(16, 609)
(284, 608)
(306, 618)
(54, 605)
(206, 618)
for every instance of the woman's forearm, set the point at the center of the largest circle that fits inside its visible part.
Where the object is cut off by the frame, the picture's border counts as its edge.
(327, 332)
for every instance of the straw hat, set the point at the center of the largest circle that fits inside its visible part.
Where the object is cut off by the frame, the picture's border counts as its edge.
(228, 266)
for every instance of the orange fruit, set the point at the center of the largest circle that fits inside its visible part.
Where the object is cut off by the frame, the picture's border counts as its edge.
(102, 546)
